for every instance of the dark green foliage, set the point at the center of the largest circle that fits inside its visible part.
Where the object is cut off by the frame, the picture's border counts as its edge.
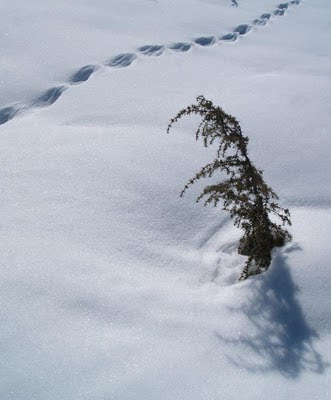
(242, 191)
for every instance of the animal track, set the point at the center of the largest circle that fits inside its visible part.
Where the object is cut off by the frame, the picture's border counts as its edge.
(123, 60)
(242, 29)
(49, 97)
(205, 40)
(260, 22)
(180, 46)
(83, 74)
(279, 12)
(46, 99)
(151, 50)
(265, 16)
(230, 37)
(8, 113)
(283, 6)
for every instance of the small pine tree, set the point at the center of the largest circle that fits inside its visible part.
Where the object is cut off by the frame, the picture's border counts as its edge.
(249, 200)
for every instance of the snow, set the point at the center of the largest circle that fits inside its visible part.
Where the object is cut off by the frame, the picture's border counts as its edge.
(112, 287)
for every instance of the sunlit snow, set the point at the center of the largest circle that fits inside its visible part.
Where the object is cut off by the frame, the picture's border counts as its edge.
(114, 288)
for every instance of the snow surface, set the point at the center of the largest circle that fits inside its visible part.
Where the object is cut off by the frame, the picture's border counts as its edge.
(114, 288)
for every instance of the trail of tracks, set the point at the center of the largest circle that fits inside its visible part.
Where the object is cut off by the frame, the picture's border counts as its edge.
(123, 60)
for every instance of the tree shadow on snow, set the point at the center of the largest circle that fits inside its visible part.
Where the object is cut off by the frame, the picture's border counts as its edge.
(278, 338)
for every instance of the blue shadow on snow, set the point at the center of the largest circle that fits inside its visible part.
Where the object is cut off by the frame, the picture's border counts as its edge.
(277, 332)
